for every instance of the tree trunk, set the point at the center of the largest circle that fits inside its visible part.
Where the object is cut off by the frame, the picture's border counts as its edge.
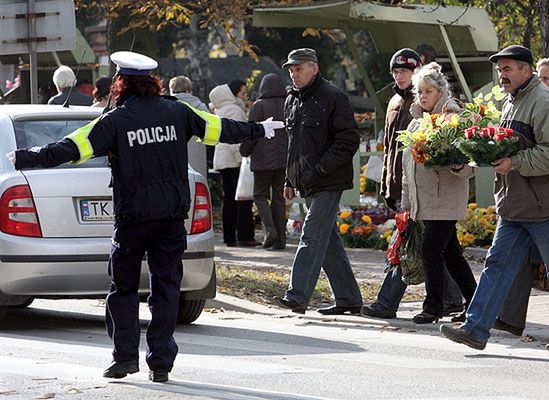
(138, 40)
(543, 12)
(195, 42)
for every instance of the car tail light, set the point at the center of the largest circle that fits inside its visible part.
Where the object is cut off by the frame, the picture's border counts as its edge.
(202, 216)
(18, 213)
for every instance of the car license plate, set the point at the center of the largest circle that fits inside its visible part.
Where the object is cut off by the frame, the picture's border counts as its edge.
(96, 210)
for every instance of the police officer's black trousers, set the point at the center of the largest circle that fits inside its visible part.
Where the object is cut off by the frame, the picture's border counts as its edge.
(164, 242)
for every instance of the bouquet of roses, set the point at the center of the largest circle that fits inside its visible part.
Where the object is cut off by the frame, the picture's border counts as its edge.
(434, 142)
(481, 139)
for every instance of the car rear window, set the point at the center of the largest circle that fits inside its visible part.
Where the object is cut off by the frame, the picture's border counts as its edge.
(41, 132)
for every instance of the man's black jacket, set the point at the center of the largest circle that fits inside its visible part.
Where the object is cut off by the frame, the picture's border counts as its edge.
(323, 138)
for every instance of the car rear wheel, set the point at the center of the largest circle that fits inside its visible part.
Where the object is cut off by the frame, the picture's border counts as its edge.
(189, 310)
(25, 304)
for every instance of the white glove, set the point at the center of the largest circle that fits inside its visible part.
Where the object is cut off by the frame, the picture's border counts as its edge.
(11, 156)
(269, 125)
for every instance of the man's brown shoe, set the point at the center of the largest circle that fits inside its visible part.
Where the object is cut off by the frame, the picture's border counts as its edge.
(459, 335)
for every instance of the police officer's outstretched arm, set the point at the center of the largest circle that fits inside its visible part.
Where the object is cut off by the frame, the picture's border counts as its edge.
(212, 129)
(77, 147)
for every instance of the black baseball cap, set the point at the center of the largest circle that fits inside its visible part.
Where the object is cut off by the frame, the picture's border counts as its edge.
(515, 52)
(300, 56)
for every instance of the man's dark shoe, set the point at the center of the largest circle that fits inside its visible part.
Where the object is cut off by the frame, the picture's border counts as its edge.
(376, 311)
(461, 317)
(292, 305)
(459, 335)
(504, 326)
(270, 242)
(452, 309)
(158, 376)
(339, 310)
(119, 369)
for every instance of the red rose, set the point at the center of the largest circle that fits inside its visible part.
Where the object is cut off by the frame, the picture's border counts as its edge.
(485, 132)
(509, 132)
(469, 132)
(499, 136)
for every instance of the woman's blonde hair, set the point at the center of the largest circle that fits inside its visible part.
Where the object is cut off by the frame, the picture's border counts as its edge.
(431, 74)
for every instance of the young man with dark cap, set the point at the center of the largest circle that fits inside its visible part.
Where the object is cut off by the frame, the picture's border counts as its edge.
(521, 192)
(323, 140)
(402, 66)
(145, 138)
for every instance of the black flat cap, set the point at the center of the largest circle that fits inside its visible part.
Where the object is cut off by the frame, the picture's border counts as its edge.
(300, 56)
(515, 52)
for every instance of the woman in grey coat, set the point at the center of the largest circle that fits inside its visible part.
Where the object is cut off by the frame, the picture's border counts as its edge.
(437, 197)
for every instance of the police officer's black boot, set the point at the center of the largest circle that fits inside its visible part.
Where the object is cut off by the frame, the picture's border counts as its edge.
(119, 369)
(158, 376)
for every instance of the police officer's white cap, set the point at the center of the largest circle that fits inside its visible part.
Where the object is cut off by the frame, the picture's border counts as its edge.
(130, 63)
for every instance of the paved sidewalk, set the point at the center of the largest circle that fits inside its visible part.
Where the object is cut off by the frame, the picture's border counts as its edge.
(367, 264)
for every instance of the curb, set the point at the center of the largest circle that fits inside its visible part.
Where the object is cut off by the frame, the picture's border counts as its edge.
(231, 303)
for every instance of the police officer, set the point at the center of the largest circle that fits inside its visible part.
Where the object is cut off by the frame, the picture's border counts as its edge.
(145, 137)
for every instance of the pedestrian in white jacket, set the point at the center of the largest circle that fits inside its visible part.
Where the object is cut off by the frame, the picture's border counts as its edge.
(237, 216)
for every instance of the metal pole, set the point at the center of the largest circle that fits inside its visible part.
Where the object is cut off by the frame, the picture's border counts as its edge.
(455, 64)
(31, 21)
(380, 111)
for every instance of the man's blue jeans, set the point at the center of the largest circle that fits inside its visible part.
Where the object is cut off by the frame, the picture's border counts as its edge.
(393, 288)
(510, 247)
(321, 247)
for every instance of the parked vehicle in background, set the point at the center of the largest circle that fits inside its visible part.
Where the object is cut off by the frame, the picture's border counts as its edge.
(56, 224)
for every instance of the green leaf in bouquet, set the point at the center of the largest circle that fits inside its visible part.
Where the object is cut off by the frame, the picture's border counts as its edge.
(478, 99)
(484, 122)
(466, 114)
(488, 97)
(498, 93)
(469, 106)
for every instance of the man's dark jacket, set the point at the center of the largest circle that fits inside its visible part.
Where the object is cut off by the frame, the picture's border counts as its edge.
(323, 138)
(398, 117)
(268, 154)
(77, 98)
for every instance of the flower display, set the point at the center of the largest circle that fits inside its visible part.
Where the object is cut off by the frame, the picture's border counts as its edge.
(434, 142)
(482, 140)
(478, 228)
(357, 229)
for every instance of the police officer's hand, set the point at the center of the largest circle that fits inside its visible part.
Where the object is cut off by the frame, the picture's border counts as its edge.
(289, 192)
(269, 126)
(11, 157)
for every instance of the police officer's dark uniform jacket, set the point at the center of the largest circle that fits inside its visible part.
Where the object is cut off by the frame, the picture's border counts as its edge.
(323, 138)
(146, 141)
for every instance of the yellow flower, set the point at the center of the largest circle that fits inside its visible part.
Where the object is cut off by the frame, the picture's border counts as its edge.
(469, 237)
(419, 135)
(472, 206)
(367, 220)
(344, 228)
(345, 214)
(454, 120)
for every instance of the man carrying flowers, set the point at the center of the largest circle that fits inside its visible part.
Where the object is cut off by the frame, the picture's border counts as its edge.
(521, 193)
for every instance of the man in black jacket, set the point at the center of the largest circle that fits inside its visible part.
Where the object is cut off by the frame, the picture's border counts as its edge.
(145, 138)
(323, 139)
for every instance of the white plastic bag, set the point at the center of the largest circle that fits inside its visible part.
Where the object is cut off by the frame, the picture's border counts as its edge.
(245, 185)
(374, 168)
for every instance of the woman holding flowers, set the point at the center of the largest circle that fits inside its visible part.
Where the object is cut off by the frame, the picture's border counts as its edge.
(436, 195)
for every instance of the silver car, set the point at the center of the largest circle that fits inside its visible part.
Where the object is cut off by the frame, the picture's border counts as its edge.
(56, 224)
